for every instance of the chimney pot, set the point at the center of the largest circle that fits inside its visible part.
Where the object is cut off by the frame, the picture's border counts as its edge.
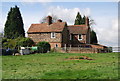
(49, 20)
(87, 21)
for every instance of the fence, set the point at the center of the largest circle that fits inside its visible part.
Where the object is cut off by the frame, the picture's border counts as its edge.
(116, 49)
(82, 50)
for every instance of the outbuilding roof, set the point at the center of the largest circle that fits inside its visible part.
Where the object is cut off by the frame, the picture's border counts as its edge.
(78, 29)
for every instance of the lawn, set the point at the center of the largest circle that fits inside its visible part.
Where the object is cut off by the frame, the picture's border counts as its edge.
(59, 66)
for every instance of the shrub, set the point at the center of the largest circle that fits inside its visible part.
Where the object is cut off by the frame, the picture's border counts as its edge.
(81, 58)
(8, 43)
(15, 43)
(25, 42)
(43, 47)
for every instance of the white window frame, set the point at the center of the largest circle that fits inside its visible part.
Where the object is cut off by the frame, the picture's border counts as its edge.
(79, 37)
(52, 34)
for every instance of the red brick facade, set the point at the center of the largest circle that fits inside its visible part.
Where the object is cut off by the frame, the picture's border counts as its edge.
(63, 35)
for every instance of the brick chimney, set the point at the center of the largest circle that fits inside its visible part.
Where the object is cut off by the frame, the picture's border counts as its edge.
(59, 20)
(49, 20)
(87, 21)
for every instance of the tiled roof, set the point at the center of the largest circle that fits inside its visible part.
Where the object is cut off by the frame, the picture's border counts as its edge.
(98, 46)
(44, 27)
(78, 29)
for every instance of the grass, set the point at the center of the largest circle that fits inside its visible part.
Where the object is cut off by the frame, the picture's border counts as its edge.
(55, 66)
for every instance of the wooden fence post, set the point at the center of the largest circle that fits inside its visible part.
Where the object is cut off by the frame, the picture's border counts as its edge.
(70, 47)
(65, 48)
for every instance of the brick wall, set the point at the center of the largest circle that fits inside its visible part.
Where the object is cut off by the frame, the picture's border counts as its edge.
(65, 37)
(75, 42)
(88, 37)
(81, 50)
(53, 44)
(37, 37)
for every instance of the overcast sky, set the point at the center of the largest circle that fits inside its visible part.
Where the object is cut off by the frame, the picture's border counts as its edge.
(105, 15)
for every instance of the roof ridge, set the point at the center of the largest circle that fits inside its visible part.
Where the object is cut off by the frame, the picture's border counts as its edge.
(43, 27)
(76, 25)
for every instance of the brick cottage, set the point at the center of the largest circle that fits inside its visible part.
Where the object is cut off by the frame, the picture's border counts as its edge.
(59, 34)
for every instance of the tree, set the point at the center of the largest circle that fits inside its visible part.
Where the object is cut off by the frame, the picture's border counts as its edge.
(24, 42)
(93, 37)
(83, 20)
(8, 43)
(44, 19)
(78, 20)
(14, 24)
(16, 43)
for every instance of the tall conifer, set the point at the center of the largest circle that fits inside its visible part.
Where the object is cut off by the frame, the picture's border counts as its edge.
(93, 37)
(78, 19)
(14, 24)
(83, 20)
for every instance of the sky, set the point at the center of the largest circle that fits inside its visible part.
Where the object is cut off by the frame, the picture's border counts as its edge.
(104, 14)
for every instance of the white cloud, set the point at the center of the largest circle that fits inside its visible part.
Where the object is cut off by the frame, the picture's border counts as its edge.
(67, 14)
(86, 12)
(108, 35)
(1, 28)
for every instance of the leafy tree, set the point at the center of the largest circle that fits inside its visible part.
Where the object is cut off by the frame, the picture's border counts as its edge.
(24, 42)
(93, 37)
(14, 24)
(16, 43)
(8, 43)
(43, 47)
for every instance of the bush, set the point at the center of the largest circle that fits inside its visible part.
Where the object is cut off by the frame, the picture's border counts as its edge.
(15, 43)
(25, 42)
(43, 47)
(8, 43)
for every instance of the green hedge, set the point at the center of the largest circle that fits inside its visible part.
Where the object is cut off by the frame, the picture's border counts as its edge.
(43, 47)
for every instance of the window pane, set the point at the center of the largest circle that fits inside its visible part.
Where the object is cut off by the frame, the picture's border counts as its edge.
(52, 35)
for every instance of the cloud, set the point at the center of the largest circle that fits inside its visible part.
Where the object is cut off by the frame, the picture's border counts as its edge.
(86, 12)
(1, 28)
(67, 14)
(43, 2)
(108, 35)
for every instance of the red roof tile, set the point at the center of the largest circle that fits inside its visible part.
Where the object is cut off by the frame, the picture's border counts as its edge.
(44, 27)
(78, 29)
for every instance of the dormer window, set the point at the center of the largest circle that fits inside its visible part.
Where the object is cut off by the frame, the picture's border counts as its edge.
(79, 37)
(52, 34)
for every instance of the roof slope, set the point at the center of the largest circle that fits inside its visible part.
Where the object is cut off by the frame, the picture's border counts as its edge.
(44, 27)
(78, 29)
